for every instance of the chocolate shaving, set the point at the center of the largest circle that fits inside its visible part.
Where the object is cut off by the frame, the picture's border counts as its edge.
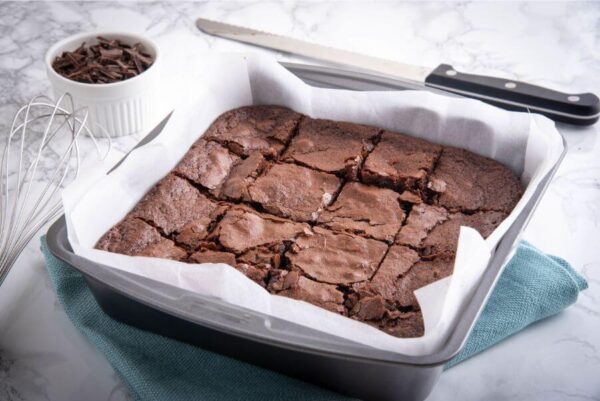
(106, 62)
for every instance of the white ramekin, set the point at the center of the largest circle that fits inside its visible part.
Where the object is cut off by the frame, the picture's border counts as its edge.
(121, 108)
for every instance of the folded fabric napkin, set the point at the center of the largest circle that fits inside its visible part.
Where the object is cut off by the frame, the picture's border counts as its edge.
(533, 286)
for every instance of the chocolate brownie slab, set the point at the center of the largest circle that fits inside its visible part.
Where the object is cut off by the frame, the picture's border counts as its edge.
(443, 238)
(293, 285)
(266, 129)
(403, 324)
(400, 161)
(207, 164)
(134, 237)
(242, 229)
(242, 175)
(257, 274)
(257, 241)
(421, 274)
(330, 146)
(219, 171)
(398, 261)
(377, 299)
(420, 221)
(194, 234)
(434, 230)
(465, 181)
(210, 256)
(365, 210)
(336, 258)
(294, 192)
(240, 197)
(174, 203)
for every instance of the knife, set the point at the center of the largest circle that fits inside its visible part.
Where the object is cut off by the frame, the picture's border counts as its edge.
(577, 109)
(147, 139)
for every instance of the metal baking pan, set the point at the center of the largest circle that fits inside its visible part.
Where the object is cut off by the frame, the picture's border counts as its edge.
(326, 360)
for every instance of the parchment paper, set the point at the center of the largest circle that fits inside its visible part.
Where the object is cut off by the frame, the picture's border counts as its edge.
(528, 144)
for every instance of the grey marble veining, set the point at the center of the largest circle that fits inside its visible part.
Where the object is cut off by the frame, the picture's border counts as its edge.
(42, 357)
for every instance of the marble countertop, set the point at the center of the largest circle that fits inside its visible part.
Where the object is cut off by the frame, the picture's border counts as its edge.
(43, 357)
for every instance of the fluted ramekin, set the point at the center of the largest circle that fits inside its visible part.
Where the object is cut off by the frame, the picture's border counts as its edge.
(121, 108)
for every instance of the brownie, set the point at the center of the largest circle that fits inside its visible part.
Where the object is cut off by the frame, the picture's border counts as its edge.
(387, 301)
(443, 239)
(331, 146)
(266, 129)
(422, 273)
(435, 230)
(400, 161)
(398, 261)
(207, 164)
(193, 235)
(336, 258)
(257, 274)
(172, 204)
(295, 192)
(403, 324)
(465, 181)
(242, 175)
(243, 228)
(346, 217)
(294, 285)
(365, 210)
(420, 221)
(254, 240)
(135, 237)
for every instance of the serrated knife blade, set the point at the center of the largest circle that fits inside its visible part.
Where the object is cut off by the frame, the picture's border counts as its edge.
(312, 50)
(578, 109)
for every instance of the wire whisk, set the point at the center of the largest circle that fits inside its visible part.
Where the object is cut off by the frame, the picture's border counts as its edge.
(41, 155)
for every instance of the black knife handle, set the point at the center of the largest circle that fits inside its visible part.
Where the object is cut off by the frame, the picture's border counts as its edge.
(578, 109)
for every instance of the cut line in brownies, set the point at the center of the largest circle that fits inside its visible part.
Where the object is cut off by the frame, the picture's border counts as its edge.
(350, 218)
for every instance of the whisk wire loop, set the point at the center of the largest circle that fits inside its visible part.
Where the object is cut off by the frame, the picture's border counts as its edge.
(29, 187)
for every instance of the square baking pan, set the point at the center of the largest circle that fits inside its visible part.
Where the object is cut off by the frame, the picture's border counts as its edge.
(349, 368)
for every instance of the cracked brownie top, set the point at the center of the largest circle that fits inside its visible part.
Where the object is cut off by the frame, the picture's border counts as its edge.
(344, 216)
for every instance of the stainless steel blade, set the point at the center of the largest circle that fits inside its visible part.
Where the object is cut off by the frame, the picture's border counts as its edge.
(148, 138)
(312, 50)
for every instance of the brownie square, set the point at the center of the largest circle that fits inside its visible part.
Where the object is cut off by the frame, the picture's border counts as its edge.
(211, 256)
(293, 285)
(365, 210)
(403, 324)
(398, 261)
(193, 235)
(400, 161)
(174, 203)
(266, 129)
(134, 237)
(242, 175)
(207, 164)
(435, 231)
(420, 221)
(422, 273)
(330, 146)
(295, 192)
(257, 239)
(375, 299)
(257, 274)
(336, 258)
(443, 238)
(465, 181)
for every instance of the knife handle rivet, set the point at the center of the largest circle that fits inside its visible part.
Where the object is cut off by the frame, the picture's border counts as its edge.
(510, 85)
(573, 98)
(451, 73)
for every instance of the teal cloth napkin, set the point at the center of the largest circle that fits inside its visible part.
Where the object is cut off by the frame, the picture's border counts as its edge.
(532, 287)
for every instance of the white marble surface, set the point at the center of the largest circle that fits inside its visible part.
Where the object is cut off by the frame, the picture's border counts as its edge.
(42, 357)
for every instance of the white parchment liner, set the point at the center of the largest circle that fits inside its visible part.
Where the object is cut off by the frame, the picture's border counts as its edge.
(529, 144)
